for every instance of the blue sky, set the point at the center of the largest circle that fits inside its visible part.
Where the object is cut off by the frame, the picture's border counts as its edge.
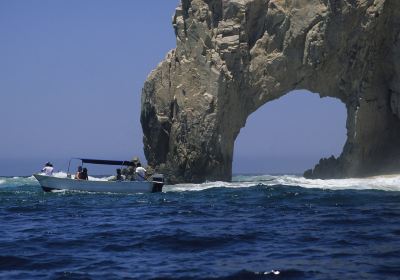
(71, 74)
(291, 134)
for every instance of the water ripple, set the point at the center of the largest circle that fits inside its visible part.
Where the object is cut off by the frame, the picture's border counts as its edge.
(239, 230)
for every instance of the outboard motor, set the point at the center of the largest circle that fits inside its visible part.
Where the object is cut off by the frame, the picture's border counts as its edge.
(158, 182)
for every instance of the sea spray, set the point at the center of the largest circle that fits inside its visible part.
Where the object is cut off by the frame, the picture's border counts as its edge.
(386, 183)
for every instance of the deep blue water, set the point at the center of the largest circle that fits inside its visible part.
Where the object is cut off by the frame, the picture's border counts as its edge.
(253, 230)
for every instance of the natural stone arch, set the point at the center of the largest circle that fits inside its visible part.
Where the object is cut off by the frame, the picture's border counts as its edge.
(233, 56)
(290, 134)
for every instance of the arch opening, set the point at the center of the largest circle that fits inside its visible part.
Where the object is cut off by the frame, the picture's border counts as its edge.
(290, 135)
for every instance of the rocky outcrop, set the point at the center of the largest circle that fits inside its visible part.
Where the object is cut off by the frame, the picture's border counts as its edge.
(233, 56)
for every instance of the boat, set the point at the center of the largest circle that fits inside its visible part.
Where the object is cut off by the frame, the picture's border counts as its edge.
(50, 183)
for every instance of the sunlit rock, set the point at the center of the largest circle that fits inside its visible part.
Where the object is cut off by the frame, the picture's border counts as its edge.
(233, 56)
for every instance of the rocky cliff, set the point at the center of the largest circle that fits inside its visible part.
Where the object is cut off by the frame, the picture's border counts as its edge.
(233, 56)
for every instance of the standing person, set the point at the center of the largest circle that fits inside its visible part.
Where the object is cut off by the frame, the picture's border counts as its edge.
(48, 169)
(136, 160)
(85, 174)
(140, 172)
(130, 171)
(78, 174)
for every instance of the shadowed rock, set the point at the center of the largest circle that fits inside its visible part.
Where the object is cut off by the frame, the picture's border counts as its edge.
(233, 56)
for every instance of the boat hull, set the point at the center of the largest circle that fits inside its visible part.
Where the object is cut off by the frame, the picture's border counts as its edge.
(50, 183)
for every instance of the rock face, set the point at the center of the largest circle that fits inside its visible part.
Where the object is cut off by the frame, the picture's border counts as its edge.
(233, 56)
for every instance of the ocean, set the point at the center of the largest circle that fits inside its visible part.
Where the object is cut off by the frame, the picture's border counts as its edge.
(256, 227)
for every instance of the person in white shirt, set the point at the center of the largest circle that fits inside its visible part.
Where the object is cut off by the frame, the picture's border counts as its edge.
(140, 172)
(48, 169)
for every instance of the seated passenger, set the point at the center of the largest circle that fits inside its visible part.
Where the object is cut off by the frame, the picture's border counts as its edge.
(85, 174)
(78, 174)
(119, 176)
(140, 172)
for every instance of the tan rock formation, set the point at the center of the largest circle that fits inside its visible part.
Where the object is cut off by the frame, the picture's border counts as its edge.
(233, 56)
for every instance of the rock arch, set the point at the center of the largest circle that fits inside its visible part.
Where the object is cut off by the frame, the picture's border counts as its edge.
(233, 56)
(290, 134)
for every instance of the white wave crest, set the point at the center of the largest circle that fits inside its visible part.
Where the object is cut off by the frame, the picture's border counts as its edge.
(208, 185)
(22, 181)
(386, 183)
(62, 174)
(17, 181)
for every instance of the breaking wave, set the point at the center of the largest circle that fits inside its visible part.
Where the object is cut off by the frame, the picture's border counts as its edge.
(384, 183)
(64, 175)
(31, 181)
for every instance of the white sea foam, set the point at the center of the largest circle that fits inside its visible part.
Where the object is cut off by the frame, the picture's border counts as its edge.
(62, 174)
(22, 181)
(386, 183)
(17, 181)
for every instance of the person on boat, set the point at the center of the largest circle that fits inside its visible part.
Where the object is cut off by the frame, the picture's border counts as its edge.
(81, 174)
(140, 172)
(136, 160)
(78, 174)
(119, 176)
(129, 172)
(48, 169)
(85, 174)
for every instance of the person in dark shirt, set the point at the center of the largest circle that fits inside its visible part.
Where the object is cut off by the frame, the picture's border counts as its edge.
(78, 174)
(84, 174)
(119, 176)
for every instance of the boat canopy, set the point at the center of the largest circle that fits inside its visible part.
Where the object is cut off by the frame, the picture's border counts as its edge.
(108, 162)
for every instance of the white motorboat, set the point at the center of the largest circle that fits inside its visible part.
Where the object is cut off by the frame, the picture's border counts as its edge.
(51, 183)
